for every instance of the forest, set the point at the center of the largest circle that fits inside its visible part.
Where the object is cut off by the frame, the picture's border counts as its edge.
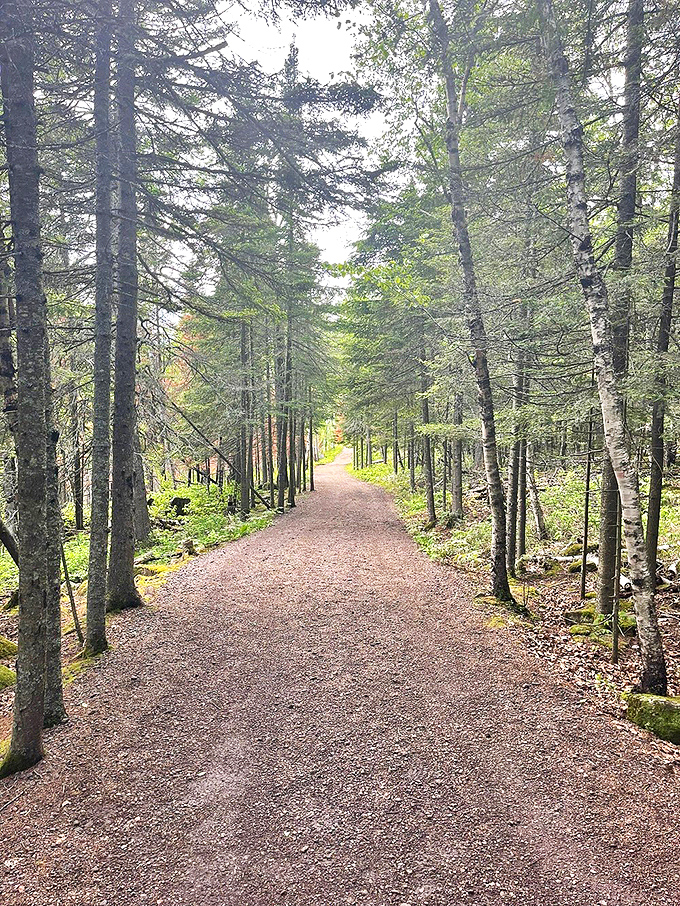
(181, 358)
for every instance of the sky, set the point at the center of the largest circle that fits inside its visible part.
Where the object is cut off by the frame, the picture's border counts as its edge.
(324, 51)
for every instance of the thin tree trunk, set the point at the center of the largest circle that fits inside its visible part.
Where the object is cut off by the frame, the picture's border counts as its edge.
(653, 679)
(311, 441)
(457, 462)
(522, 500)
(473, 311)
(659, 407)
(55, 712)
(536, 508)
(245, 487)
(17, 65)
(122, 592)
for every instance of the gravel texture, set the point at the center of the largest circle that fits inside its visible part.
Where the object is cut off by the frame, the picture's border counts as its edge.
(317, 714)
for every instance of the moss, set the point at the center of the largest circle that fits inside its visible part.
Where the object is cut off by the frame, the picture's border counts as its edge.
(656, 713)
(7, 677)
(72, 671)
(581, 629)
(514, 607)
(8, 648)
(505, 620)
(151, 569)
(580, 615)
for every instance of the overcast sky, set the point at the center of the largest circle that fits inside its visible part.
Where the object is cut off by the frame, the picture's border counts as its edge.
(324, 51)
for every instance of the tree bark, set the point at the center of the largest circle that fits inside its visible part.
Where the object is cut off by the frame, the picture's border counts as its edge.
(122, 592)
(55, 711)
(659, 406)
(17, 63)
(621, 297)
(95, 639)
(473, 311)
(653, 679)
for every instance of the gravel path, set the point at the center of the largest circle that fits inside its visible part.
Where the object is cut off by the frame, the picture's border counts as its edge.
(317, 715)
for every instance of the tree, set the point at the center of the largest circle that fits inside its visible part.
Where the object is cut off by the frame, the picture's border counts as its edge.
(122, 591)
(32, 391)
(595, 294)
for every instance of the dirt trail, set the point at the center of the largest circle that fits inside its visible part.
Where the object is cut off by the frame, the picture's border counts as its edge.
(317, 715)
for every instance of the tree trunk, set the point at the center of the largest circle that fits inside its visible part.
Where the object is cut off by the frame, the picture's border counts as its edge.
(536, 508)
(311, 442)
(243, 433)
(653, 679)
(620, 298)
(16, 49)
(457, 462)
(427, 442)
(659, 407)
(122, 592)
(55, 712)
(473, 311)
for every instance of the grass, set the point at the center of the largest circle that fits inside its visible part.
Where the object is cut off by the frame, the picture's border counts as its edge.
(331, 454)
(468, 544)
(207, 523)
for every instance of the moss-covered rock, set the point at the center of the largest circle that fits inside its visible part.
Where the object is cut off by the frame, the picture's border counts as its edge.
(656, 713)
(581, 629)
(585, 614)
(575, 567)
(7, 677)
(8, 648)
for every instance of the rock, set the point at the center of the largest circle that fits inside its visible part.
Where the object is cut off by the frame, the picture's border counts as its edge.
(580, 615)
(180, 504)
(7, 677)
(8, 648)
(188, 547)
(657, 713)
(591, 565)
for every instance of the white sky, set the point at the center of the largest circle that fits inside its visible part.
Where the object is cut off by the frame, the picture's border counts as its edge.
(324, 51)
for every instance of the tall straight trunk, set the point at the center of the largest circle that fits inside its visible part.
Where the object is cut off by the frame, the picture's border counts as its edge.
(243, 433)
(620, 297)
(473, 311)
(55, 712)
(285, 380)
(292, 453)
(122, 592)
(17, 66)
(511, 526)
(456, 457)
(412, 457)
(522, 500)
(302, 469)
(311, 441)
(659, 407)
(653, 677)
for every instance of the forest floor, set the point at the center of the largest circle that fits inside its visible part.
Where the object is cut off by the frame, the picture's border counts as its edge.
(319, 714)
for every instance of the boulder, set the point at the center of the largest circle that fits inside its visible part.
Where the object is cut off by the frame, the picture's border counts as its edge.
(8, 648)
(657, 713)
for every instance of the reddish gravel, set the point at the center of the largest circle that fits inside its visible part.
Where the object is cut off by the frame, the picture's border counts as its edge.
(317, 715)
